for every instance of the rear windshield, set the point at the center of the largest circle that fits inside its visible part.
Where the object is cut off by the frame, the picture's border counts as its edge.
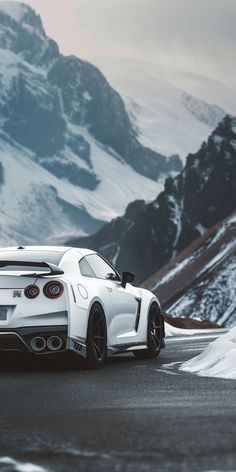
(53, 257)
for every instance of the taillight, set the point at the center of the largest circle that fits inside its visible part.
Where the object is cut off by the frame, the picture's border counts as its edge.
(32, 291)
(53, 289)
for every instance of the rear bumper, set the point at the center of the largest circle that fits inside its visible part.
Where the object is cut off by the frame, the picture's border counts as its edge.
(19, 339)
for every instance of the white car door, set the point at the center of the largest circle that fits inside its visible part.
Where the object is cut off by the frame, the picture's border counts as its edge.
(124, 302)
(126, 307)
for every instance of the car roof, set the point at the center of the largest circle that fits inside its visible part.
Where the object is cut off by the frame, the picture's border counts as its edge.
(62, 249)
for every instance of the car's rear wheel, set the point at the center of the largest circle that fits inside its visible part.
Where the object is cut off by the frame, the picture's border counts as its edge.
(96, 337)
(155, 332)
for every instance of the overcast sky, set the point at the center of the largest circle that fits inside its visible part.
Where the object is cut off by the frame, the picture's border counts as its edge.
(196, 35)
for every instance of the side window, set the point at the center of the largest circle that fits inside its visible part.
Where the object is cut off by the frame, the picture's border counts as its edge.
(85, 268)
(100, 267)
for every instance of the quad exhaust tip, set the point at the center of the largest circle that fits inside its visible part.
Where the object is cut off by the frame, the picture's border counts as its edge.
(38, 344)
(54, 343)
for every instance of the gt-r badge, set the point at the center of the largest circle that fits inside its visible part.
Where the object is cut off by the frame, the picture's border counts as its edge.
(17, 294)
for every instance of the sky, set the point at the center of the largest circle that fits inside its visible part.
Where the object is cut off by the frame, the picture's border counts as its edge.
(193, 35)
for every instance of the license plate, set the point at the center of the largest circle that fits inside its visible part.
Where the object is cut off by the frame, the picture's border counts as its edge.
(3, 314)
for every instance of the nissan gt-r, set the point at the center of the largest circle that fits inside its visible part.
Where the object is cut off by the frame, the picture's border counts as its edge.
(55, 299)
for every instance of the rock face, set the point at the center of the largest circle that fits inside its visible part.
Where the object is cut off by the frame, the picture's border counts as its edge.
(149, 235)
(1, 174)
(62, 114)
(200, 282)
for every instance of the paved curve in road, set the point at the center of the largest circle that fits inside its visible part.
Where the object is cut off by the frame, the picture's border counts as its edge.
(131, 415)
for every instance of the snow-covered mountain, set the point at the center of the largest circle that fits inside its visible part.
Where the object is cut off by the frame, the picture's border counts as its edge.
(200, 282)
(173, 112)
(150, 235)
(69, 155)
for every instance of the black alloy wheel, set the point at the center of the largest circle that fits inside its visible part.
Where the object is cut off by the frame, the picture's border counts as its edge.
(155, 332)
(96, 337)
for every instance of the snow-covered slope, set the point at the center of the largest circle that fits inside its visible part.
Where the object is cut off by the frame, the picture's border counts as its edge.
(36, 206)
(69, 156)
(201, 281)
(174, 112)
(218, 360)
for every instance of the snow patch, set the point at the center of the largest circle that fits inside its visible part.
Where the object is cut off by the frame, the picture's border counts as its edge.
(171, 331)
(15, 10)
(87, 96)
(200, 229)
(20, 466)
(218, 360)
(226, 249)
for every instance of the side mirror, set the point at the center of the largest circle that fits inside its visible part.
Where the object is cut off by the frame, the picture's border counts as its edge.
(112, 276)
(127, 278)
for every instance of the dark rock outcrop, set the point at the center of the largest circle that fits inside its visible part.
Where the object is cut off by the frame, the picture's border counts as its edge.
(200, 196)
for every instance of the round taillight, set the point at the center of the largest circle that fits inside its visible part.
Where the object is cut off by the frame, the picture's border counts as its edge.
(53, 289)
(32, 291)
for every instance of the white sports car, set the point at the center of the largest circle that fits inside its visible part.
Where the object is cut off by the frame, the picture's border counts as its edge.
(55, 299)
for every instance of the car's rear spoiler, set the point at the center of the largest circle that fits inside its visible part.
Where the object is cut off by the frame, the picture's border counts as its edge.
(53, 269)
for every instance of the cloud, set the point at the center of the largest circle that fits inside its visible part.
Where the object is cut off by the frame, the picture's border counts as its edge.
(198, 35)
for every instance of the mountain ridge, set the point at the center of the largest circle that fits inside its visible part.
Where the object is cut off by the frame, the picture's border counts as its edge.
(61, 114)
(197, 198)
(155, 97)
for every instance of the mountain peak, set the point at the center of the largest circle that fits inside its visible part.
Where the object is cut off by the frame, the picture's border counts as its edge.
(15, 10)
(23, 14)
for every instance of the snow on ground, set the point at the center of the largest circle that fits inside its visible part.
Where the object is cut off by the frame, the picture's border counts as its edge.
(218, 360)
(10, 464)
(171, 331)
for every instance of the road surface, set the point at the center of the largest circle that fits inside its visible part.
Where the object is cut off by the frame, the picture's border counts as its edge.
(130, 416)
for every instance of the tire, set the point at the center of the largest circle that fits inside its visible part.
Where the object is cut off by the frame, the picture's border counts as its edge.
(155, 332)
(96, 342)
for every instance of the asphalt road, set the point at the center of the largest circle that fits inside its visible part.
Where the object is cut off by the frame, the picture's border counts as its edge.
(129, 416)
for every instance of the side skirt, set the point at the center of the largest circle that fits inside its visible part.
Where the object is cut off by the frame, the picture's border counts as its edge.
(80, 348)
(122, 348)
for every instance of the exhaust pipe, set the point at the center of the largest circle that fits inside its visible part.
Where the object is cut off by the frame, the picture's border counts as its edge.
(38, 344)
(54, 343)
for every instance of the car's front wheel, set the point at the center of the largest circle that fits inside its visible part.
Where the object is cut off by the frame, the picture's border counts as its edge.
(155, 331)
(96, 337)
